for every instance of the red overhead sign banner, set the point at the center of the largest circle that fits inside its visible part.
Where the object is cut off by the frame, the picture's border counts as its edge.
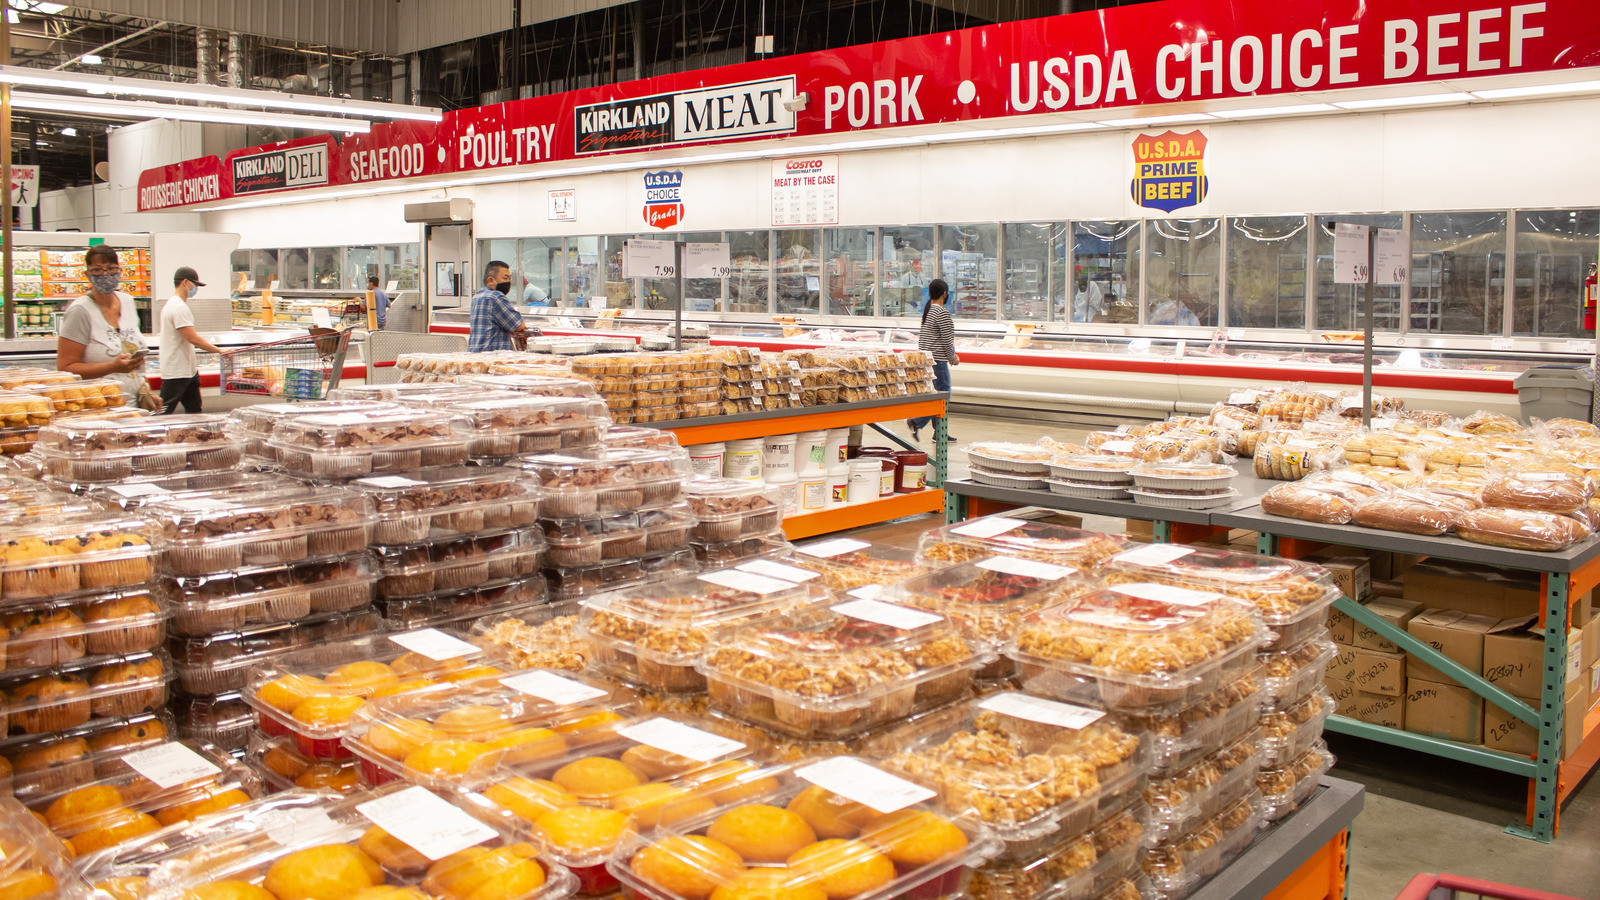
(1169, 52)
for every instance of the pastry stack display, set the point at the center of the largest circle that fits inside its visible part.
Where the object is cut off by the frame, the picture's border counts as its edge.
(742, 385)
(734, 521)
(1023, 467)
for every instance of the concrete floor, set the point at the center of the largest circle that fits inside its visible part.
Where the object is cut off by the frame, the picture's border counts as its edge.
(1422, 814)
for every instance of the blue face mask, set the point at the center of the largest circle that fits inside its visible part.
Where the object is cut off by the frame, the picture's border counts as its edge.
(193, 289)
(104, 284)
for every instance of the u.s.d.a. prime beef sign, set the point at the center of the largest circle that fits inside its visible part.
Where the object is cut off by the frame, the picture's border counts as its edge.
(1155, 53)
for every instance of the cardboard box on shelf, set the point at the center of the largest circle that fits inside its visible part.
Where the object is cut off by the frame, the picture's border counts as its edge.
(1580, 700)
(1397, 612)
(1343, 665)
(1136, 528)
(1392, 590)
(1456, 634)
(1504, 732)
(1513, 657)
(1447, 711)
(1380, 709)
(1353, 574)
(1591, 642)
(1377, 672)
(1470, 588)
(1341, 628)
(1344, 696)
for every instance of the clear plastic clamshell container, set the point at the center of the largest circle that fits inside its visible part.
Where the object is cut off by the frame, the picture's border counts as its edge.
(1292, 597)
(220, 663)
(543, 638)
(653, 634)
(585, 581)
(1019, 533)
(261, 595)
(457, 562)
(342, 445)
(1137, 645)
(538, 385)
(1118, 843)
(634, 437)
(667, 528)
(1178, 801)
(224, 719)
(1284, 789)
(72, 693)
(1175, 867)
(448, 501)
(140, 791)
(304, 845)
(836, 671)
(590, 540)
(456, 738)
(458, 608)
(61, 760)
(254, 424)
(45, 633)
(201, 535)
(989, 598)
(87, 450)
(840, 821)
(313, 694)
(1180, 733)
(1014, 459)
(36, 863)
(506, 423)
(1066, 870)
(77, 395)
(846, 564)
(731, 554)
(137, 494)
(1287, 676)
(401, 392)
(728, 509)
(1287, 733)
(58, 556)
(1032, 769)
(283, 767)
(617, 481)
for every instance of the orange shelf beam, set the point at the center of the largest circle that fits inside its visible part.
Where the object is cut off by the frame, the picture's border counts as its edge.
(805, 421)
(857, 515)
(1583, 758)
(1321, 877)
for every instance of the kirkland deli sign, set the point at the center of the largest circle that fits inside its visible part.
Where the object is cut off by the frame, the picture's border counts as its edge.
(727, 111)
(276, 170)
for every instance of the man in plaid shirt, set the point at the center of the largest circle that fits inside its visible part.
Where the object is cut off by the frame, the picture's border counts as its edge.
(494, 319)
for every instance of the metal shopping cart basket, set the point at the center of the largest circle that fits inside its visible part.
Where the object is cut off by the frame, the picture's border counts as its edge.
(1455, 887)
(300, 368)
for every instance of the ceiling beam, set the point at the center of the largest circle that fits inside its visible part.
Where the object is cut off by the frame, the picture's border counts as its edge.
(109, 44)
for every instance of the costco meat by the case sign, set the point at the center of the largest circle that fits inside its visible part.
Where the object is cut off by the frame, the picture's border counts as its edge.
(1169, 170)
(1131, 57)
(663, 199)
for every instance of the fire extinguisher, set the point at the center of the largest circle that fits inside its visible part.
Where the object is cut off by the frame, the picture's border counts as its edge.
(1591, 286)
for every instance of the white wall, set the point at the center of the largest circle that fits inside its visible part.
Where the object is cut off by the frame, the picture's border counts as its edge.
(114, 205)
(1481, 157)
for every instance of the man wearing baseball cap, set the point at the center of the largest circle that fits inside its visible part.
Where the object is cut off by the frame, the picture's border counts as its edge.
(180, 374)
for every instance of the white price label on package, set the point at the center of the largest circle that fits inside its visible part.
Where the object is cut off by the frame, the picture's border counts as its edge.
(1038, 709)
(170, 765)
(302, 827)
(434, 644)
(1027, 568)
(138, 490)
(1153, 554)
(681, 740)
(867, 592)
(890, 614)
(993, 526)
(425, 822)
(853, 779)
(746, 581)
(390, 481)
(1116, 447)
(552, 688)
(1166, 593)
(770, 569)
(836, 547)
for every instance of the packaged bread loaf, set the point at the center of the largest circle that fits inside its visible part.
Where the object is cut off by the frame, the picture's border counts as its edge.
(1406, 511)
(1557, 489)
(1520, 529)
(1297, 500)
(1482, 422)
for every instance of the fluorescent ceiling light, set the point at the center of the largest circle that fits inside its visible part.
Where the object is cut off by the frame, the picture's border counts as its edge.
(1253, 112)
(1420, 100)
(207, 93)
(852, 145)
(91, 59)
(43, 9)
(1539, 90)
(1156, 120)
(134, 109)
(69, 131)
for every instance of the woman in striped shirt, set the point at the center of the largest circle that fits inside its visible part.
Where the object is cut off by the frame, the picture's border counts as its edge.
(939, 339)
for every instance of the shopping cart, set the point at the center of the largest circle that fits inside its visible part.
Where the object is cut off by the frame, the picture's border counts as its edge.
(300, 368)
(1455, 887)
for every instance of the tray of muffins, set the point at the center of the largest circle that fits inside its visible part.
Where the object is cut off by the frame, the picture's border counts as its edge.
(457, 562)
(96, 451)
(36, 864)
(73, 693)
(206, 535)
(353, 444)
(254, 424)
(544, 637)
(282, 767)
(222, 719)
(460, 607)
(576, 582)
(224, 602)
(506, 423)
(134, 494)
(219, 663)
(434, 503)
(60, 556)
(62, 760)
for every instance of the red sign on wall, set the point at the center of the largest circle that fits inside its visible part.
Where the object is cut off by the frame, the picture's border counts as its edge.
(1175, 51)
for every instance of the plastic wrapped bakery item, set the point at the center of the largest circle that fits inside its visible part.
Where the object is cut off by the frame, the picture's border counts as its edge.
(1096, 467)
(346, 445)
(81, 450)
(589, 540)
(1195, 478)
(1137, 645)
(1176, 866)
(1026, 767)
(1488, 423)
(1179, 734)
(1291, 597)
(641, 438)
(948, 846)
(254, 424)
(136, 494)
(1016, 459)
(282, 767)
(1284, 789)
(1016, 533)
(261, 595)
(224, 719)
(140, 792)
(456, 562)
(61, 760)
(538, 385)
(1179, 800)
(506, 423)
(37, 866)
(453, 500)
(460, 607)
(727, 554)
(1520, 529)
(727, 509)
(1286, 733)
(314, 693)
(619, 480)
(457, 738)
(542, 638)
(200, 535)
(1298, 500)
(1293, 458)
(667, 528)
(1287, 676)
(846, 564)
(1547, 488)
(576, 582)
(652, 634)
(1412, 512)
(57, 556)
(77, 395)
(295, 845)
(821, 672)
(50, 632)
(70, 694)
(19, 409)
(1067, 869)
(400, 392)
(220, 663)
(987, 599)
(1118, 843)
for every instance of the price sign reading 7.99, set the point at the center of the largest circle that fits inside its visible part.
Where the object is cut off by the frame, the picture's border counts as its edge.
(648, 259)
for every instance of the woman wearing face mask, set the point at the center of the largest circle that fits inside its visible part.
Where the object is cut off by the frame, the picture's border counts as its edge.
(180, 374)
(99, 335)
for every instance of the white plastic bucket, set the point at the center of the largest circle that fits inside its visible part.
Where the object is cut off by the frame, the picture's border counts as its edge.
(813, 493)
(742, 460)
(838, 488)
(810, 448)
(834, 452)
(706, 459)
(777, 457)
(788, 490)
(866, 479)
